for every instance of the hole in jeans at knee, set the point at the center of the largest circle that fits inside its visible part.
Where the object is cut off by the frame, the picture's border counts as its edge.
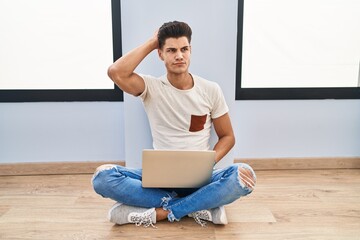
(246, 177)
(101, 169)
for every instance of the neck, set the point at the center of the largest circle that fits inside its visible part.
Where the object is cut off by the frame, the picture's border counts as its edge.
(181, 81)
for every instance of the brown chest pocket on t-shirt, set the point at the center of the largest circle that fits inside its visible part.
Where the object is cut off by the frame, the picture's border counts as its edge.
(197, 123)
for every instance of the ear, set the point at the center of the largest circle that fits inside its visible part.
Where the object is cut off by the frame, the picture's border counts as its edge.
(160, 53)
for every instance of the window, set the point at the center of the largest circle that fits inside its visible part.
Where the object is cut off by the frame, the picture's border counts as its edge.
(59, 50)
(294, 49)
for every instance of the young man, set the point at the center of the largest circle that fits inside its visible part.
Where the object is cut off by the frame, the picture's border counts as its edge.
(181, 108)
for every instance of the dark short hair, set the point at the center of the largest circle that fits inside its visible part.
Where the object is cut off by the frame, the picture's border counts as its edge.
(173, 29)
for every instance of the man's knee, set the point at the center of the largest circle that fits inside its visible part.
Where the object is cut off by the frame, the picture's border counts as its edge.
(104, 167)
(98, 181)
(247, 176)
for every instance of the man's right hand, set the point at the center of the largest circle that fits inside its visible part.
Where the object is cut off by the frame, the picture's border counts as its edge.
(155, 39)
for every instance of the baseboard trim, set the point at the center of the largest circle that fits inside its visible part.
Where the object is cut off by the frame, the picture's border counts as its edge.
(47, 168)
(16, 169)
(302, 163)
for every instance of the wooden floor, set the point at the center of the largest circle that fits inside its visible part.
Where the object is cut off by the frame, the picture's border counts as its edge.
(287, 204)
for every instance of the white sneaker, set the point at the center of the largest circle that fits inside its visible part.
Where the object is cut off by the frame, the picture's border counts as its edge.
(215, 215)
(123, 214)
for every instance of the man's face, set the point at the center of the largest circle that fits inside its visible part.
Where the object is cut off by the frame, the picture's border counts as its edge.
(176, 54)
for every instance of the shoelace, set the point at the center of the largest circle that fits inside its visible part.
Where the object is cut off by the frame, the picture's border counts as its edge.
(199, 216)
(142, 219)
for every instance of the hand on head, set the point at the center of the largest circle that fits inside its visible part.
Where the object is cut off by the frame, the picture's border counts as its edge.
(155, 39)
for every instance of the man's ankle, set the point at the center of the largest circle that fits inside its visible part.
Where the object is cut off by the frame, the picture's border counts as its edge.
(161, 214)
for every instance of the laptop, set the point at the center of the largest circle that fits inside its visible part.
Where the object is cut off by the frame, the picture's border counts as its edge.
(176, 168)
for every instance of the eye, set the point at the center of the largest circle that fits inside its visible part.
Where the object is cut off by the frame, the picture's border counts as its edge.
(185, 49)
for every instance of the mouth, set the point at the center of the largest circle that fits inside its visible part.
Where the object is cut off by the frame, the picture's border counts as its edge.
(179, 63)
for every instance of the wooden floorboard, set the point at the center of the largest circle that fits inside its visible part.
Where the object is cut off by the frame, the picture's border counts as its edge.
(286, 204)
(301, 163)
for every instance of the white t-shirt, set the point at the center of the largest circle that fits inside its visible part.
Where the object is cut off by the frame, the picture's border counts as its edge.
(181, 119)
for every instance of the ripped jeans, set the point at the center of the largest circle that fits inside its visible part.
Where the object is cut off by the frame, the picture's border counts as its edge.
(124, 185)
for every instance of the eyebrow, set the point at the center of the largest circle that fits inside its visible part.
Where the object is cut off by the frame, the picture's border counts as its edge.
(173, 48)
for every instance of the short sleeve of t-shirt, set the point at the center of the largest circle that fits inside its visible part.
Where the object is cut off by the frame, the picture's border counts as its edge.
(152, 85)
(219, 105)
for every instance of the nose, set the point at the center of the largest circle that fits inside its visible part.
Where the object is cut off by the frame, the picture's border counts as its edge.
(179, 56)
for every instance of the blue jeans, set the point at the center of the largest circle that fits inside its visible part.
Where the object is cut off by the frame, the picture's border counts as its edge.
(124, 185)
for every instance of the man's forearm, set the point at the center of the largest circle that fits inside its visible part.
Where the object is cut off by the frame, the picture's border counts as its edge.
(126, 65)
(223, 146)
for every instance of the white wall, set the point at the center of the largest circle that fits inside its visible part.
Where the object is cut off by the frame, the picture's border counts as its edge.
(311, 128)
(56, 132)
(95, 131)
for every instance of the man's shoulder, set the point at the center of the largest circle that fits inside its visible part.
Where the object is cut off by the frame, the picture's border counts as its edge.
(152, 85)
(205, 83)
(151, 80)
(149, 77)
